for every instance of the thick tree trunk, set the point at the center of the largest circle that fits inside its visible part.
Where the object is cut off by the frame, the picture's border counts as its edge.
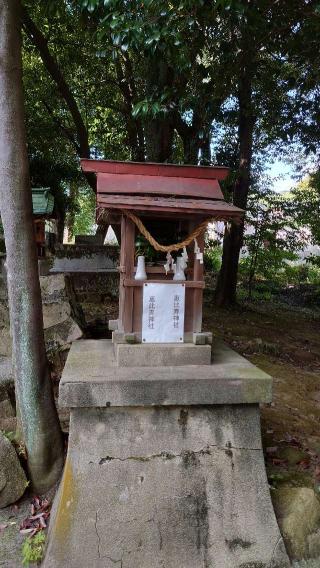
(159, 130)
(127, 87)
(39, 420)
(159, 140)
(190, 147)
(195, 144)
(233, 238)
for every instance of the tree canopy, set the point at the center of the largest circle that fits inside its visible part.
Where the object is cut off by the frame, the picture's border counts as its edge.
(224, 81)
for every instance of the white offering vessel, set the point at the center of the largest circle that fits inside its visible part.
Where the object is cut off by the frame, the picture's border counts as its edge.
(169, 264)
(179, 268)
(141, 269)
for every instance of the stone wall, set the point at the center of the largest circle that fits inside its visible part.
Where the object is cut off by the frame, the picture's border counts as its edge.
(94, 298)
(92, 282)
(74, 303)
(60, 327)
(85, 258)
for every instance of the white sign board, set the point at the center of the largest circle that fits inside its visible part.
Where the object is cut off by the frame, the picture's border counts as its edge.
(163, 313)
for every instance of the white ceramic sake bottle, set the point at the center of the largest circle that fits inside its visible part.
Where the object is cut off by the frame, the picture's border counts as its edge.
(178, 269)
(141, 269)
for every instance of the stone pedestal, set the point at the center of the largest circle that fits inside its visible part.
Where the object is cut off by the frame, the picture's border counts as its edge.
(165, 466)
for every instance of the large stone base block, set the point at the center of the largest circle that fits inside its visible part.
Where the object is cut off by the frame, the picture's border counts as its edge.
(165, 487)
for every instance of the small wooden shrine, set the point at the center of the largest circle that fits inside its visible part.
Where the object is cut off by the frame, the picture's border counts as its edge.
(163, 210)
(165, 426)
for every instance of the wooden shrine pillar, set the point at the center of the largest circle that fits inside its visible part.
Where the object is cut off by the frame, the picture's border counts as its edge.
(198, 292)
(126, 272)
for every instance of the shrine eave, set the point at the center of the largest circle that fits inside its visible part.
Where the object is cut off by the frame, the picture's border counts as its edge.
(209, 207)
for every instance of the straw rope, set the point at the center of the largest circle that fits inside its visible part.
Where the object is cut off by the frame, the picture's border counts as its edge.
(167, 248)
(103, 217)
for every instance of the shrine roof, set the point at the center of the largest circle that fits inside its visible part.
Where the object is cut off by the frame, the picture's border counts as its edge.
(154, 169)
(161, 188)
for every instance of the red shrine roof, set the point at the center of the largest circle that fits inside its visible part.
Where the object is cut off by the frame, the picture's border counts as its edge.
(168, 188)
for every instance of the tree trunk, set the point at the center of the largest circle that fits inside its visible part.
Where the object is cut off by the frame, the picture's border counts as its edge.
(190, 147)
(159, 130)
(127, 87)
(61, 219)
(159, 139)
(205, 147)
(195, 144)
(39, 419)
(233, 237)
(71, 217)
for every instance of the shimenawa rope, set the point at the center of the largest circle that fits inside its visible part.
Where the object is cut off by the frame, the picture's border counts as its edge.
(166, 248)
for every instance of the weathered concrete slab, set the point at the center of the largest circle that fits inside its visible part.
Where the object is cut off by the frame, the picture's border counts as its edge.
(162, 354)
(169, 487)
(86, 257)
(92, 378)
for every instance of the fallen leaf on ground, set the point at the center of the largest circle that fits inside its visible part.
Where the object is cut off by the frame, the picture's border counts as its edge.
(272, 449)
(40, 512)
(304, 463)
(278, 461)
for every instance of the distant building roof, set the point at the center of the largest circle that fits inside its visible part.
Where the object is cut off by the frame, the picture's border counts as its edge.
(42, 201)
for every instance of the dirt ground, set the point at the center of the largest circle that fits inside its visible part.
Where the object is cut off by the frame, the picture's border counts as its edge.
(284, 342)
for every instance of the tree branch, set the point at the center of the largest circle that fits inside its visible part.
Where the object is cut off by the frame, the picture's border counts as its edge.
(66, 131)
(40, 42)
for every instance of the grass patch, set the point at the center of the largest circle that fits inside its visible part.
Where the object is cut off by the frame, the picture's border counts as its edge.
(33, 549)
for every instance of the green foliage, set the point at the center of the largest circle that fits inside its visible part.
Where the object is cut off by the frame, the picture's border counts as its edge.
(306, 205)
(150, 25)
(281, 273)
(9, 435)
(280, 227)
(144, 248)
(302, 273)
(273, 236)
(314, 260)
(313, 273)
(135, 67)
(212, 256)
(168, 57)
(84, 217)
(33, 549)
(18, 445)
